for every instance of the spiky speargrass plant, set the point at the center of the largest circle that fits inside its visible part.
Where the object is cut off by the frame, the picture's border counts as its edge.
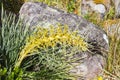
(12, 38)
(45, 54)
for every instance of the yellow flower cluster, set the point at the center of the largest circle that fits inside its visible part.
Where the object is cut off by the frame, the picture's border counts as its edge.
(50, 37)
(100, 78)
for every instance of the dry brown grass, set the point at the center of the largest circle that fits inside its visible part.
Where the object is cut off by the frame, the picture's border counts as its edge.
(112, 72)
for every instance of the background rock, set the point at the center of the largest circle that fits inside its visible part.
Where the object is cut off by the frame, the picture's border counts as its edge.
(94, 6)
(117, 7)
(94, 61)
(90, 6)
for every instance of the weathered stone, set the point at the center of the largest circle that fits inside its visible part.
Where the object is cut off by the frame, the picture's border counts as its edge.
(117, 7)
(90, 7)
(43, 15)
(100, 6)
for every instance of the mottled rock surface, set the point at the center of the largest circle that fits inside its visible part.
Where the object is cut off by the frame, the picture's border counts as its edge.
(90, 7)
(101, 7)
(43, 15)
(117, 7)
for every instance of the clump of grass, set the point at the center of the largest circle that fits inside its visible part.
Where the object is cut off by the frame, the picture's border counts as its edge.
(12, 37)
(113, 64)
(110, 14)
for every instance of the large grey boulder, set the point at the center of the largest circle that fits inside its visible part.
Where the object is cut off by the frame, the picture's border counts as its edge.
(35, 13)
